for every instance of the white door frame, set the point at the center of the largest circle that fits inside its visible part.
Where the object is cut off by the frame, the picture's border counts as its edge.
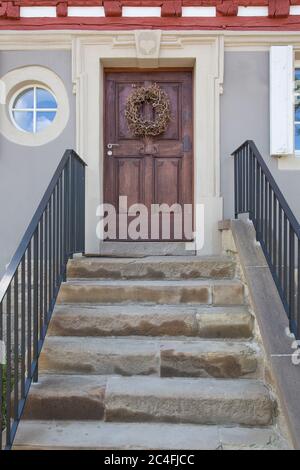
(93, 53)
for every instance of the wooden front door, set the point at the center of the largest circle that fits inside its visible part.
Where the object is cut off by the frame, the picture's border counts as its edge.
(157, 173)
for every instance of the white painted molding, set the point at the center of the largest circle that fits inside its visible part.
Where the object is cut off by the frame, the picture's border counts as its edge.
(253, 11)
(141, 11)
(295, 10)
(281, 100)
(86, 11)
(38, 12)
(16, 80)
(199, 11)
(95, 51)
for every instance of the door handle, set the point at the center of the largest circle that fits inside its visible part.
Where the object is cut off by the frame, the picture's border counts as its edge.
(110, 146)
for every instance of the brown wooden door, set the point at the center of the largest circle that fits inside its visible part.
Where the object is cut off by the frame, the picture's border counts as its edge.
(161, 172)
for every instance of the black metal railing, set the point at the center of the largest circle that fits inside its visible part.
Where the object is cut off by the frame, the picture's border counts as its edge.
(30, 285)
(277, 229)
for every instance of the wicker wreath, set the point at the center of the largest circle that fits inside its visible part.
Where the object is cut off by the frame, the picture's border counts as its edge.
(160, 102)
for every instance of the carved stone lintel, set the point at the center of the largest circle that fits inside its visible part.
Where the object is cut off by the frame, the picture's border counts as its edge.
(147, 43)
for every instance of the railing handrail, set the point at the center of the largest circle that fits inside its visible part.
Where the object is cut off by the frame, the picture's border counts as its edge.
(31, 283)
(13, 265)
(281, 199)
(277, 229)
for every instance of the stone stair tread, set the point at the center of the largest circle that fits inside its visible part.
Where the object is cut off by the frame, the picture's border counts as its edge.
(72, 397)
(111, 283)
(188, 400)
(141, 249)
(160, 267)
(148, 356)
(83, 435)
(119, 344)
(217, 292)
(151, 320)
(154, 259)
(141, 309)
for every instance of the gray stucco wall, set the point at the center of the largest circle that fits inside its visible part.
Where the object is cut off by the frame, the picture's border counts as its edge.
(245, 115)
(25, 172)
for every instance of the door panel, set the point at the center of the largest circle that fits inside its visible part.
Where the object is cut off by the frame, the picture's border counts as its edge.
(155, 172)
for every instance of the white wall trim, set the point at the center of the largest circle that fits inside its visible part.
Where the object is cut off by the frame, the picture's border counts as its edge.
(38, 12)
(294, 9)
(180, 49)
(141, 12)
(281, 100)
(199, 11)
(86, 11)
(16, 80)
(148, 11)
(253, 11)
(62, 39)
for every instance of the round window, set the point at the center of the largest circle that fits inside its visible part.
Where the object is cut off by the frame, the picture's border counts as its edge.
(33, 109)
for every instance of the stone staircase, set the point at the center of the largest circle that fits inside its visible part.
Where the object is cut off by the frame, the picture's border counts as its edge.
(150, 353)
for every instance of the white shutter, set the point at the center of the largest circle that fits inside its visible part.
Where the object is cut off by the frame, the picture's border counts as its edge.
(281, 100)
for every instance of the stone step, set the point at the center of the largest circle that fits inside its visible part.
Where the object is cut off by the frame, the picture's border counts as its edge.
(149, 356)
(73, 397)
(160, 267)
(89, 435)
(140, 249)
(154, 320)
(226, 292)
(181, 400)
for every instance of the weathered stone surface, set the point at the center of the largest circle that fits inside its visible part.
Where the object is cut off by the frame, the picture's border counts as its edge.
(151, 320)
(228, 294)
(207, 359)
(267, 304)
(123, 320)
(251, 439)
(163, 267)
(66, 397)
(99, 356)
(156, 292)
(159, 356)
(202, 401)
(123, 323)
(88, 435)
(224, 322)
(114, 436)
(141, 249)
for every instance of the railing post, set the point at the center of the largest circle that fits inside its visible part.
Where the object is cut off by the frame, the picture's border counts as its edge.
(1, 375)
(8, 369)
(72, 206)
(82, 218)
(235, 187)
(35, 303)
(66, 215)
